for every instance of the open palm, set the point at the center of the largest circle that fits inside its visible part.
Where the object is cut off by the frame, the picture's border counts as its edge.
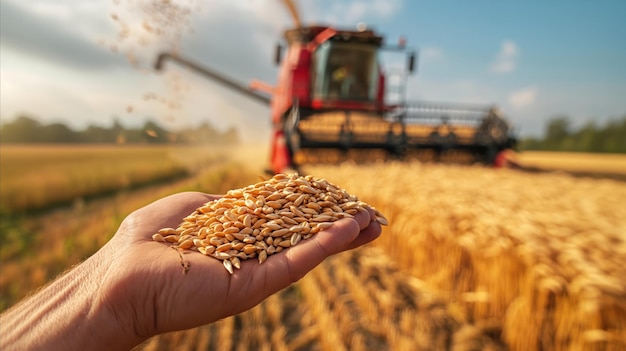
(147, 279)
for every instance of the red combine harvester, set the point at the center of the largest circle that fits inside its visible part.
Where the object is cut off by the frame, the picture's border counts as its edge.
(332, 102)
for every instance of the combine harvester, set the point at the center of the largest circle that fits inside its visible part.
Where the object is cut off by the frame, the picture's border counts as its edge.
(332, 103)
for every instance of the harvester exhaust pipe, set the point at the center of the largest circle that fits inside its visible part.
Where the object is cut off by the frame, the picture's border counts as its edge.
(232, 84)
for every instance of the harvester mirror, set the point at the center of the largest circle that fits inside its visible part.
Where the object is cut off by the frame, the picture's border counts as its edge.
(411, 62)
(278, 54)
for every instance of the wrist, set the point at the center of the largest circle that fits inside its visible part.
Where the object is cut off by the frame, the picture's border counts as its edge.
(73, 304)
(114, 319)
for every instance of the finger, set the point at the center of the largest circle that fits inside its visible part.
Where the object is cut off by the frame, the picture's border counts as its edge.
(280, 270)
(167, 212)
(370, 229)
(366, 235)
(364, 218)
(255, 282)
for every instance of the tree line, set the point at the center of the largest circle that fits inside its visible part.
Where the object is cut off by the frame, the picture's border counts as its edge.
(559, 135)
(25, 129)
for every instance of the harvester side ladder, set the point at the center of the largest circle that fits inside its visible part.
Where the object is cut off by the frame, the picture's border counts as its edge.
(395, 87)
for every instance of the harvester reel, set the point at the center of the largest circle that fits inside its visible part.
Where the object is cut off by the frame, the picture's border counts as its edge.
(493, 130)
(397, 139)
(345, 136)
(443, 136)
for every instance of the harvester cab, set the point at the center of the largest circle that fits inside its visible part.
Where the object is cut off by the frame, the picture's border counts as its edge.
(343, 65)
(332, 103)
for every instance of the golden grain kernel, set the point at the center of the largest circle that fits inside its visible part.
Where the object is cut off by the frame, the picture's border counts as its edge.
(248, 249)
(171, 238)
(285, 243)
(279, 232)
(314, 205)
(216, 241)
(307, 189)
(287, 220)
(322, 218)
(167, 231)
(259, 223)
(262, 256)
(295, 239)
(239, 236)
(274, 204)
(382, 220)
(272, 226)
(247, 220)
(251, 204)
(308, 211)
(297, 228)
(228, 265)
(272, 216)
(188, 231)
(224, 247)
(326, 203)
(296, 211)
(324, 225)
(235, 262)
(221, 255)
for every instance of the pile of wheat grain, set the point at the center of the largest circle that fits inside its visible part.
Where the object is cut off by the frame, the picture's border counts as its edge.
(263, 219)
(543, 255)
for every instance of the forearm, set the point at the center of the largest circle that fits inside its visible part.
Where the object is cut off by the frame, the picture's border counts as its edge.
(68, 314)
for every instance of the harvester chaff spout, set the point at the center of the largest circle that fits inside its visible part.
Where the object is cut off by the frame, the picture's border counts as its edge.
(227, 81)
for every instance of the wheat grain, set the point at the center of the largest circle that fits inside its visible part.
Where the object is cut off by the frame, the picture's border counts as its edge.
(273, 214)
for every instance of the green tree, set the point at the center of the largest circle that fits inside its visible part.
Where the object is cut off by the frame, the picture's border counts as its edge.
(23, 129)
(586, 138)
(154, 133)
(557, 131)
(58, 133)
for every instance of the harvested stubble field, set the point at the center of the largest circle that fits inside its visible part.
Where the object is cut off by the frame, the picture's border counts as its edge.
(611, 166)
(474, 258)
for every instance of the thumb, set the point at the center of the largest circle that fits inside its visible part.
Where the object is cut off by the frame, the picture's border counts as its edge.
(303, 258)
(300, 259)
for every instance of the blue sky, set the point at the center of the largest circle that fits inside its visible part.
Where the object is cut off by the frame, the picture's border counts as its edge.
(533, 59)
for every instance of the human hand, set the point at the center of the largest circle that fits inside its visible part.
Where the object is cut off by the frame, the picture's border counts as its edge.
(146, 291)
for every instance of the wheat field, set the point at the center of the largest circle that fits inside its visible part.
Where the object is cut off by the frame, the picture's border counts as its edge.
(541, 255)
(575, 161)
(474, 259)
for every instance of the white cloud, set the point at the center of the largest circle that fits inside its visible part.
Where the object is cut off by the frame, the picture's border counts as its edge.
(431, 54)
(522, 98)
(506, 60)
